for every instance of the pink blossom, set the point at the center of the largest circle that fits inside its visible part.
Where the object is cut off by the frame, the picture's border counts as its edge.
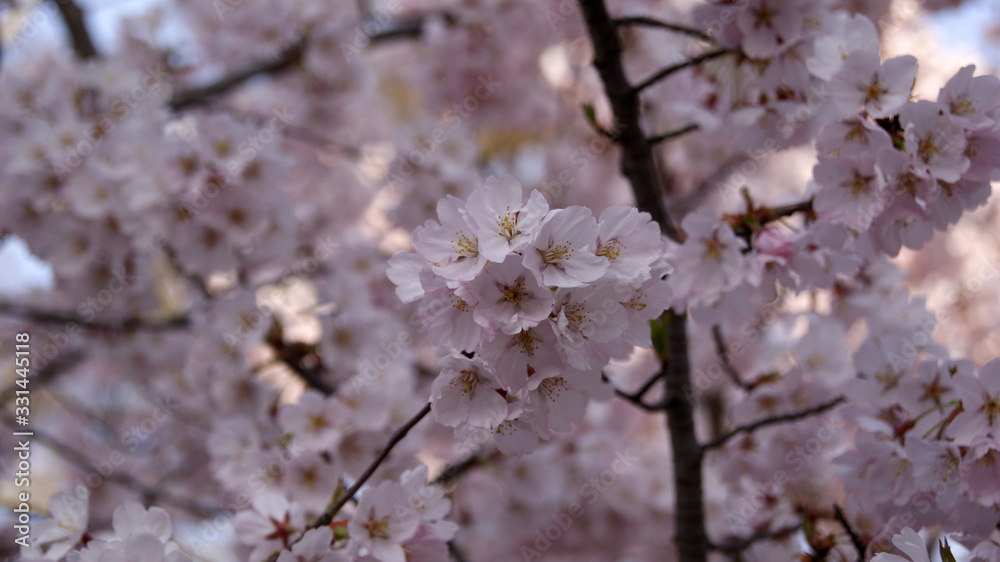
(908, 542)
(881, 89)
(980, 404)
(768, 27)
(315, 422)
(629, 240)
(973, 101)
(506, 223)
(452, 247)
(509, 297)
(314, 546)
(465, 392)
(563, 249)
(936, 142)
(850, 34)
(377, 525)
(270, 525)
(709, 261)
(980, 470)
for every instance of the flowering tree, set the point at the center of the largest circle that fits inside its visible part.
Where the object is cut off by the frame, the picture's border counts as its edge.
(665, 277)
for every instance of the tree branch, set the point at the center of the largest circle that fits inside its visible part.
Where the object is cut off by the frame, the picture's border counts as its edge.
(126, 325)
(776, 213)
(637, 163)
(198, 95)
(674, 134)
(455, 553)
(636, 398)
(691, 539)
(76, 26)
(739, 545)
(454, 470)
(327, 516)
(47, 375)
(727, 365)
(639, 168)
(660, 75)
(774, 420)
(859, 545)
(645, 21)
(183, 99)
(291, 355)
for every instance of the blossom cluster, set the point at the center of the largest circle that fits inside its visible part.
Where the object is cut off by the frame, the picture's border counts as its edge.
(137, 534)
(901, 169)
(530, 303)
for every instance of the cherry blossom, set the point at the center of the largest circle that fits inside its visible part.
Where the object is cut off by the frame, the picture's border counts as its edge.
(466, 392)
(880, 87)
(505, 222)
(378, 526)
(412, 281)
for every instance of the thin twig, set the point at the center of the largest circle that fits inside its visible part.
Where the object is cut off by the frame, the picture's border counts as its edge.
(291, 355)
(291, 56)
(859, 545)
(774, 420)
(636, 398)
(674, 134)
(738, 545)
(660, 75)
(645, 21)
(648, 385)
(201, 94)
(454, 470)
(775, 213)
(327, 516)
(125, 325)
(48, 374)
(727, 364)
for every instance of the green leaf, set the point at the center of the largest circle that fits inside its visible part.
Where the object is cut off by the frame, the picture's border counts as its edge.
(946, 555)
(590, 114)
(658, 333)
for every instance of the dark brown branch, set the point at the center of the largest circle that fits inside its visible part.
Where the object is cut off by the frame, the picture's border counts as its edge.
(648, 385)
(455, 553)
(292, 355)
(774, 420)
(639, 168)
(453, 471)
(131, 324)
(660, 75)
(397, 436)
(645, 21)
(47, 375)
(673, 134)
(691, 539)
(637, 163)
(76, 26)
(194, 96)
(191, 278)
(727, 364)
(859, 545)
(636, 398)
(789, 210)
(739, 545)
(182, 99)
